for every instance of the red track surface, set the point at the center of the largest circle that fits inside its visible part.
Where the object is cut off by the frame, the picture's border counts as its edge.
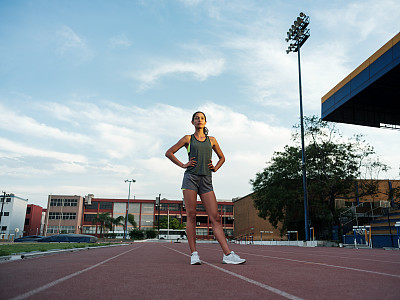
(153, 270)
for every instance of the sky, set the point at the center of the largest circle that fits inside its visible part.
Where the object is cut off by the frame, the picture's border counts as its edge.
(94, 92)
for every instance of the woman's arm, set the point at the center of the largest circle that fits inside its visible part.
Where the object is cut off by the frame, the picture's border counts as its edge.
(218, 151)
(171, 152)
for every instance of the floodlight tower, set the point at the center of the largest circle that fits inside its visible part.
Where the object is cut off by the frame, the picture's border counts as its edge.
(297, 35)
(127, 208)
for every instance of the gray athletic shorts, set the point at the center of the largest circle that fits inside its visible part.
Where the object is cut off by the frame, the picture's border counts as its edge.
(199, 183)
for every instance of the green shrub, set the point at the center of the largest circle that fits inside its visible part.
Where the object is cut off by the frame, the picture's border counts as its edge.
(136, 234)
(151, 234)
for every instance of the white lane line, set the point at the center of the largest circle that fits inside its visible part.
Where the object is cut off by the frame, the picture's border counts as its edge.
(257, 283)
(55, 282)
(325, 265)
(334, 256)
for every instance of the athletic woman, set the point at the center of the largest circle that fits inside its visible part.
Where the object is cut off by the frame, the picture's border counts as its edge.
(197, 180)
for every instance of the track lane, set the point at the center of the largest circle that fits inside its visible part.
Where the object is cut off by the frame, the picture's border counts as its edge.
(153, 271)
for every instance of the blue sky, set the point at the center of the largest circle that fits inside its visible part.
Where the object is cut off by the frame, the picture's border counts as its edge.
(94, 92)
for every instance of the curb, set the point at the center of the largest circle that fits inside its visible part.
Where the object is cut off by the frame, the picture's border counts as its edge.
(33, 254)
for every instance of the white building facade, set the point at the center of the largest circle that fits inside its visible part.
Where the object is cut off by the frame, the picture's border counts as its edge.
(13, 212)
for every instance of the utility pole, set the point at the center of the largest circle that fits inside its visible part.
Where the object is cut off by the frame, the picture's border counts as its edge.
(127, 207)
(2, 205)
(158, 204)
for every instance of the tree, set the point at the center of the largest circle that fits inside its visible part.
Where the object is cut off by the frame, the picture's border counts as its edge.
(151, 233)
(131, 220)
(333, 163)
(105, 221)
(137, 234)
(173, 223)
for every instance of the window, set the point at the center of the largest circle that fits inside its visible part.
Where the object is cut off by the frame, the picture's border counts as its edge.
(6, 213)
(70, 202)
(106, 205)
(175, 207)
(225, 208)
(89, 229)
(8, 200)
(94, 205)
(64, 216)
(27, 221)
(54, 216)
(28, 210)
(201, 219)
(3, 228)
(61, 229)
(227, 220)
(147, 208)
(63, 202)
(146, 220)
(89, 217)
(200, 207)
(201, 231)
(69, 216)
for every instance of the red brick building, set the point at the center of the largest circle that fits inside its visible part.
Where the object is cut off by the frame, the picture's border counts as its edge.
(75, 214)
(33, 220)
(146, 215)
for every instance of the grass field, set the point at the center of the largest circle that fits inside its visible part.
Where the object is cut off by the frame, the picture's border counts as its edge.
(10, 249)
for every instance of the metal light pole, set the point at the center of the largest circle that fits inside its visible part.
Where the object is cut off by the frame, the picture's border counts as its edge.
(158, 205)
(127, 208)
(297, 35)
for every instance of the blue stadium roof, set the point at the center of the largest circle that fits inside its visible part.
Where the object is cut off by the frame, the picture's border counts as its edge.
(370, 95)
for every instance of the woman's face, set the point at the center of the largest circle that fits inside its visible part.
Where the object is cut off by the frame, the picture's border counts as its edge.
(199, 120)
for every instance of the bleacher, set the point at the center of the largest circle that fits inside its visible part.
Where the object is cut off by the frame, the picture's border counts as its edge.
(384, 232)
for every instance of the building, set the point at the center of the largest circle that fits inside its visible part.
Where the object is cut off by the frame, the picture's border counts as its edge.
(12, 216)
(147, 214)
(80, 218)
(369, 95)
(64, 214)
(33, 220)
(387, 194)
(249, 226)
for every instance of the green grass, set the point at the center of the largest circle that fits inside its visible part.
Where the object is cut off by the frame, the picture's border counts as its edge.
(10, 249)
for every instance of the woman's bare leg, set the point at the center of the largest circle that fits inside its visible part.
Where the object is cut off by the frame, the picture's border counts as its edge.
(190, 198)
(210, 203)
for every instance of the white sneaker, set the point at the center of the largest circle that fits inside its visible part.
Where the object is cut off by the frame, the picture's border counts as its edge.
(195, 259)
(233, 259)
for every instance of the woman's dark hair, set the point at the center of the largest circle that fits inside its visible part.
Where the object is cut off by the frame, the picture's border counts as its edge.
(205, 118)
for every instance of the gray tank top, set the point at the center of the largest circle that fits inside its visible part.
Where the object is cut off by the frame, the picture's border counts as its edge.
(202, 151)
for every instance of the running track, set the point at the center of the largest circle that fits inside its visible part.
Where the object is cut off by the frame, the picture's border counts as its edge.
(161, 270)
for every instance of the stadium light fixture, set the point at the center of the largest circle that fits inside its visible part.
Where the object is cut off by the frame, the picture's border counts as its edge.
(127, 208)
(297, 36)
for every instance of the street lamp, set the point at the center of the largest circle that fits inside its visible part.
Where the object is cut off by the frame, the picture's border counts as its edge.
(127, 208)
(297, 35)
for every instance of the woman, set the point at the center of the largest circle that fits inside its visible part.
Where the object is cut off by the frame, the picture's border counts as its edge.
(197, 180)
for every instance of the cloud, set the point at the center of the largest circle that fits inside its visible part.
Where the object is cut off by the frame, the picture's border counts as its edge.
(28, 126)
(120, 41)
(18, 149)
(131, 141)
(72, 46)
(361, 20)
(200, 70)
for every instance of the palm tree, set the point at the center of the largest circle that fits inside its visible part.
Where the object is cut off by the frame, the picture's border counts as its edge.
(131, 220)
(117, 221)
(104, 219)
